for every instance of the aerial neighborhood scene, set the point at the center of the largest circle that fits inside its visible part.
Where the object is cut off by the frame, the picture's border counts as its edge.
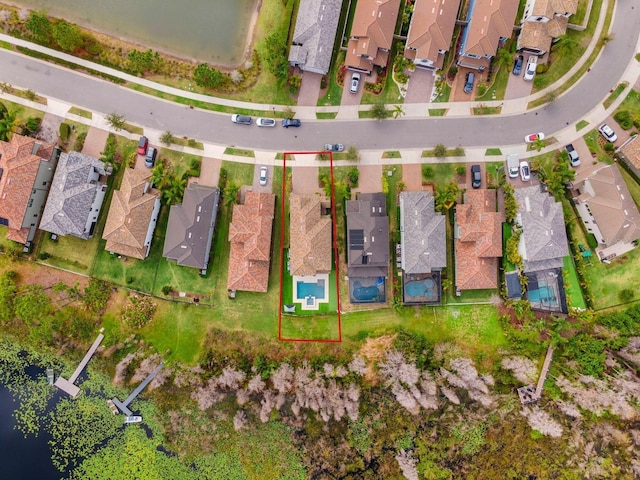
(320, 239)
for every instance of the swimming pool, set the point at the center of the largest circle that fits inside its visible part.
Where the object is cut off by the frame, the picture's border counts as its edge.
(422, 288)
(306, 289)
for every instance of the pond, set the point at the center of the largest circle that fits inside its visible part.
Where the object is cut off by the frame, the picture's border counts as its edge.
(214, 31)
(22, 458)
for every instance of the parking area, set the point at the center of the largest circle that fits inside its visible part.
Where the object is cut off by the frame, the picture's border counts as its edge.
(95, 142)
(256, 179)
(420, 86)
(517, 86)
(349, 98)
(370, 180)
(309, 89)
(412, 176)
(209, 172)
(457, 89)
(304, 180)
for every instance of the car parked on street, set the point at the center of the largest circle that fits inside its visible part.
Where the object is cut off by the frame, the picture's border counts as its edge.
(468, 82)
(334, 147)
(476, 176)
(143, 143)
(517, 65)
(263, 176)
(574, 159)
(241, 119)
(355, 81)
(291, 122)
(607, 132)
(266, 122)
(534, 137)
(525, 171)
(530, 71)
(150, 159)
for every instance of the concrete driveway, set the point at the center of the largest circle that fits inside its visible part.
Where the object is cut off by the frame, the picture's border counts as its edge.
(95, 142)
(457, 90)
(256, 179)
(349, 98)
(309, 89)
(517, 86)
(370, 179)
(209, 172)
(305, 180)
(412, 176)
(420, 86)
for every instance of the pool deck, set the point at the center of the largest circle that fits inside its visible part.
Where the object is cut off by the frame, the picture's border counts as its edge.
(305, 303)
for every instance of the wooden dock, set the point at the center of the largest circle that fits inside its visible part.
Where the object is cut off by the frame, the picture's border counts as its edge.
(124, 406)
(68, 386)
(528, 394)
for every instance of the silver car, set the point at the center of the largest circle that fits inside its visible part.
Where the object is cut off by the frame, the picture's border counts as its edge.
(334, 147)
(606, 131)
(355, 81)
(263, 176)
(266, 122)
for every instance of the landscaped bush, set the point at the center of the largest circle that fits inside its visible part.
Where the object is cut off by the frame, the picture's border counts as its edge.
(427, 171)
(624, 119)
(65, 131)
(353, 175)
(592, 241)
(461, 170)
(626, 295)
(542, 68)
(609, 147)
(33, 124)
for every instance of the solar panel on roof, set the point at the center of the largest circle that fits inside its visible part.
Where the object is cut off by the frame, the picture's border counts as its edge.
(356, 239)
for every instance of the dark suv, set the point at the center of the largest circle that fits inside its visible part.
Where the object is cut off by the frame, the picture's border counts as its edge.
(150, 159)
(476, 176)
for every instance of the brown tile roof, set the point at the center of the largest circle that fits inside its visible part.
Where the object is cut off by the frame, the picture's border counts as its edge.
(534, 36)
(632, 151)
(548, 8)
(19, 160)
(309, 235)
(478, 243)
(130, 213)
(431, 29)
(372, 33)
(609, 202)
(250, 243)
(490, 20)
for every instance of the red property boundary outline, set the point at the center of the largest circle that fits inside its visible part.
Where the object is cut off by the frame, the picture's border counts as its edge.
(336, 258)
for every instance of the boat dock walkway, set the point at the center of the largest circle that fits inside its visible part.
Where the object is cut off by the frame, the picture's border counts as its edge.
(528, 394)
(124, 406)
(68, 385)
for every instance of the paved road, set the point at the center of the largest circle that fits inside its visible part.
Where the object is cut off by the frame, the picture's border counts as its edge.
(102, 96)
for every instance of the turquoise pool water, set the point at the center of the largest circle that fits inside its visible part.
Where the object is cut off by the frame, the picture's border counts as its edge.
(422, 288)
(305, 289)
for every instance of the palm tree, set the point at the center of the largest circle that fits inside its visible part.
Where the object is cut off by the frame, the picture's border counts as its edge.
(159, 175)
(398, 111)
(446, 197)
(565, 44)
(174, 189)
(231, 194)
(8, 124)
(539, 144)
(503, 58)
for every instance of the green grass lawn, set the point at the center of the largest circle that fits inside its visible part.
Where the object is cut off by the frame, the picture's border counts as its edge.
(493, 151)
(631, 104)
(178, 161)
(634, 188)
(506, 235)
(581, 124)
(324, 308)
(592, 139)
(334, 91)
(498, 87)
(606, 281)
(310, 327)
(572, 284)
(240, 173)
(443, 173)
(615, 94)
(71, 253)
(437, 112)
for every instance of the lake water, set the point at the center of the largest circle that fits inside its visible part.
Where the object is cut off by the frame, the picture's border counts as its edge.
(22, 458)
(215, 31)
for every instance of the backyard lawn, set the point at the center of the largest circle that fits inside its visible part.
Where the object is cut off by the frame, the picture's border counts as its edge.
(572, 284)
(310, 327)
(606, 281)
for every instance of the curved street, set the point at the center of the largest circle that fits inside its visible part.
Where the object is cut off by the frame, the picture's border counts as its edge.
(210, 127)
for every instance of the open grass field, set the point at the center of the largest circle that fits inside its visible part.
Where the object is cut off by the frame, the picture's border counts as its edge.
(572, 284)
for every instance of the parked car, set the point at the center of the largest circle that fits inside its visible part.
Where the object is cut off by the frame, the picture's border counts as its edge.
(241, 119)
(266, 122)
(606, 131)
(517, 65)
(150, 159)
(476, 176)
(355, 81)
(468, 82)
(513, 165)
(534, 137)
(143, 143)
(530, 71)
(263, 176)
(291, 122)
(574, 159)
(334, 147)
(525, 171)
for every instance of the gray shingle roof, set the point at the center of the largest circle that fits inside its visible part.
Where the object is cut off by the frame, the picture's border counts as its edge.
(315, 34)
(423, 234)
(368, 236)
(75, 186)
(543, 243)
(190, 228)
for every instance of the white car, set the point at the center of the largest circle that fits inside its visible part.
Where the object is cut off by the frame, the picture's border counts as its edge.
(530, 71)
(534, 137)
(525, 171)
(263, 176)
(266, 122)
(355, 81)
(606, 131)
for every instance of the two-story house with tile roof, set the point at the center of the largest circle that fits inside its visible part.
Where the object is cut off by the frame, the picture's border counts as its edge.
(309, 235)
(542, 22)
(190, 228)
(430, 32)
(133, 215)
(478, 240)
(250, 243)
(76, 195)
(423, 244)
(27, 167)
(372, 34)
(314, 35)
(490, 22)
